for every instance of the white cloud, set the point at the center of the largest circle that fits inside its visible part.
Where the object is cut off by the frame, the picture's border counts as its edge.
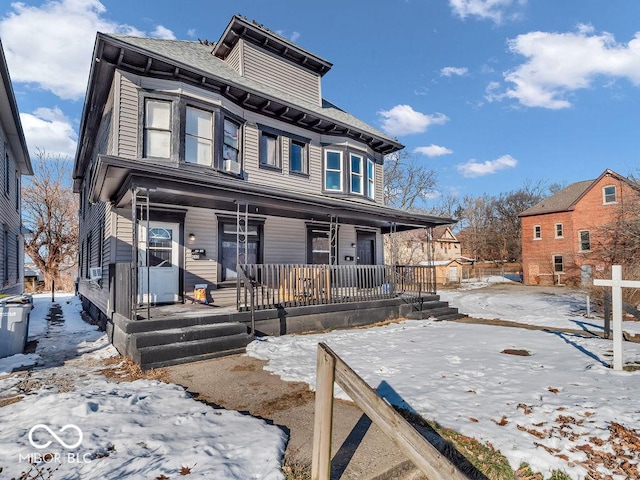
(191, 33)
(450, 71)
(432, 151)
(163, 32)
(293, 37)
(494, 10)
(404, 120)
(473, 168)
(560, 63)
(51, 45)
(50, 130)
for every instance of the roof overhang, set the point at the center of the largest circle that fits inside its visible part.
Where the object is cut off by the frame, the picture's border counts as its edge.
(241, 28)
(10, 118)
(115, 178)
(111, 53)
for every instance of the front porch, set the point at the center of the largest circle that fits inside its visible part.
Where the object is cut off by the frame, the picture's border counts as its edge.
(272, 299)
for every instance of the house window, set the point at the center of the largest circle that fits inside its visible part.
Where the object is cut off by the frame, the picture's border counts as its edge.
(319, 246)
(157, 129)
(18, 264)
(356, 174)
(5, 256)
(371, 178)
(558, 264)
(585, 240)
(333, 170)
(6, 169)
(609, 194)
(537, 232)
(559, 230)
(17, 191)
(87, 259)
(269, 150)
(198, 137)
(298, 160)
(231, 141)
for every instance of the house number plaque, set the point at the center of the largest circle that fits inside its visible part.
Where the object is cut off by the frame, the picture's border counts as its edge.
(198, 253)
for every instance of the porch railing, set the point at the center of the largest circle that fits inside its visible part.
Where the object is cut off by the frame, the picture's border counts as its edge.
(121, 289)
(267, 286)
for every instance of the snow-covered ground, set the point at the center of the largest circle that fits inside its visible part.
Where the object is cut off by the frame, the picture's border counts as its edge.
(71, 418)
(541, 409)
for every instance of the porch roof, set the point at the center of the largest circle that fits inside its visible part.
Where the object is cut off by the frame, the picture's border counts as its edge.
(114, 178)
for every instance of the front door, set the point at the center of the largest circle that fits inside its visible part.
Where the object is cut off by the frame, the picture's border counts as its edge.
(229, 255)
(365, 250)
(158, 281)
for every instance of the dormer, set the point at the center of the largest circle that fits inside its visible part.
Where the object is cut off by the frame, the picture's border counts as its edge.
(261, 55)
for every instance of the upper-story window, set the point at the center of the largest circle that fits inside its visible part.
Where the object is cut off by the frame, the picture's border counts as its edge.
(333, 170)
(559, 233)
(270, 150)
(609, 194)
(198, 140)
(157, 129)
(537, 232)
(585, 240)
(357, 174)
(371, 178)
(298, 158)
(231, 140)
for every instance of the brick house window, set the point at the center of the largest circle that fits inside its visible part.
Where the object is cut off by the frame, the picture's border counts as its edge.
(558, 264)
(537, 232)
(559, 230)
(609, 194)
(585, 240)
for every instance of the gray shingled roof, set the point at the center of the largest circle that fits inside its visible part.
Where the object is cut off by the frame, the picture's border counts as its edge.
(197, 56)
(560, 201)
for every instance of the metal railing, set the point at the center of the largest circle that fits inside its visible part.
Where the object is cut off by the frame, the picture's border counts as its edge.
(267, 286)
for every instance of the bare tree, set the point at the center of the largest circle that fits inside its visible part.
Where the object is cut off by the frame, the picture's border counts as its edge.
(407, 182)
(50, 214)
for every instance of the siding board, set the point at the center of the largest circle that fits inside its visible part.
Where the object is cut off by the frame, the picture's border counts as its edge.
(127, 131)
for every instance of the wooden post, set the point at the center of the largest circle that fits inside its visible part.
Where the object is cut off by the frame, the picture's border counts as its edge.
(323, 421)
(616, 283)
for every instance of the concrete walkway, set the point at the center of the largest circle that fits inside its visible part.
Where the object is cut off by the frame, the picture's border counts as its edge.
(359, 449)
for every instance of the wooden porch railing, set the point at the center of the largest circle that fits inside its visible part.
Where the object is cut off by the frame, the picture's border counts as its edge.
(267, 286)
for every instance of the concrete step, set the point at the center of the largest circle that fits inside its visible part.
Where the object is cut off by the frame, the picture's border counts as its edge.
(194, 358)
(435, 313)
(186, 334)
(178, 352)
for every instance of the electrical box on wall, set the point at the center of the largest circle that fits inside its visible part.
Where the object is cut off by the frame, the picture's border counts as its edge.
(348, 258)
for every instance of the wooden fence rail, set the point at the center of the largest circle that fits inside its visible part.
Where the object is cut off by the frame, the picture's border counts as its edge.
(331, 368)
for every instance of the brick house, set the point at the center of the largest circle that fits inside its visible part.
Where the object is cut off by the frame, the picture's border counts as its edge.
(567, 236)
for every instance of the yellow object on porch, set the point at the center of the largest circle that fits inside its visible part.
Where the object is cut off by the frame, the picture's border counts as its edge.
(200, 293)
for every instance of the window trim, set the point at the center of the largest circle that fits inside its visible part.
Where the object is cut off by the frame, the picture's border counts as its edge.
(561, 235)
(537, 232)
(357, 175)
(604, 195)
(371, 182)
(580, 241)
(18, 192)
(268, 133)
(7, 161)
(305, 157)
(555, 263)
(152, 98)
(325, 170)
(212, 139)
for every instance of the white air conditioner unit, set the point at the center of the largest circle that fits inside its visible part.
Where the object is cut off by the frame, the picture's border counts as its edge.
(95, 273)
(232, 167)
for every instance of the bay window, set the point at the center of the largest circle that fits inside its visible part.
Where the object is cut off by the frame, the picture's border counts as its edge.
(298, 160)
(333, 170)
(198, 137)
(371, 178)
(356, 174)
(231, 140)
(157, 129)
(269, 150)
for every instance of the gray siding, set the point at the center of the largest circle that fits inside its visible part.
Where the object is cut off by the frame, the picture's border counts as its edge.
(127, 121)
(379, 186)
(124, 235)
(285, 241)
(203, 224)
(346, 236)
(9, 222)
(266, 68)
(234, 59)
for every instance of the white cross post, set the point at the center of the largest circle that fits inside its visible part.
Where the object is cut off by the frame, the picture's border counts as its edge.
(616, 283)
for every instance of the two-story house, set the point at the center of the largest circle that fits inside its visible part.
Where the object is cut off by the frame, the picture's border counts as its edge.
(566, 237)
(207, 165)
(14, 162)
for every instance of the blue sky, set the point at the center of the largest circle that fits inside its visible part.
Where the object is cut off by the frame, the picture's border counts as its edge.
(488, 93)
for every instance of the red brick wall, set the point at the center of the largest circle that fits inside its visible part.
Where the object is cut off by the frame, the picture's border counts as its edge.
(590, 213)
